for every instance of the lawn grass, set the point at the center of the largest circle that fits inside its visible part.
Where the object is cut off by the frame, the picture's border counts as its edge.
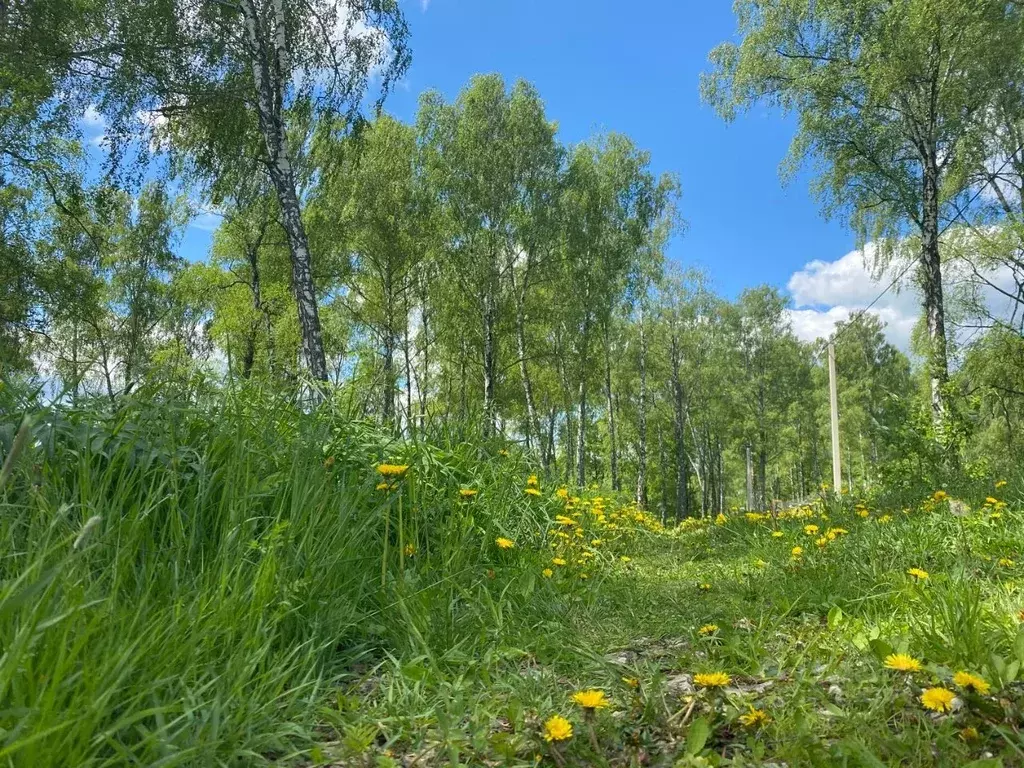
(238, 584)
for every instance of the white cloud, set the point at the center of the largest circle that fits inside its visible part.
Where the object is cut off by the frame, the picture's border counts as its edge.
(94, 119)
(827, 292)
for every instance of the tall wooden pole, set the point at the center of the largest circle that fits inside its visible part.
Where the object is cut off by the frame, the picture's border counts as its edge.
(750, 481)
(837, 467)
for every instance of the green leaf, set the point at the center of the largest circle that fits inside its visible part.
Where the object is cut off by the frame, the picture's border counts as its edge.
(835, 616)
(697, 736)
(880, 648)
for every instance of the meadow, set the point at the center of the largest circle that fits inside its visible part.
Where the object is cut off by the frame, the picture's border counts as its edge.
(242, 583)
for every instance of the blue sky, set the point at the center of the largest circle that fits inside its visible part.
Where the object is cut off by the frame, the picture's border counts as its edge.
(603, 66)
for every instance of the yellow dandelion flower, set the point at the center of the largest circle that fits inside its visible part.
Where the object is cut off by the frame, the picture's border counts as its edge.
(392, 470)
(563, 520)
(592, 699)
(584, 575)
(532, 481)
(557, 561)
(917, 573)
(755, 718)
(467, 492)
(596, 542)
(811, 530)
(708, 629)
(631, 682)
(796, 552)
(995, 515)
(547, 573)
(625, 558)
(885, 519)
(777, 534)
(970, 733)
(822, 541)
(705, 587)
(532, 491)
(901, 662)
(721, 519)
(385, 486)
(1000, 484)
(557, 728)
(504, 543)
(1006, 562)
(863, 513)
(937, 699)
(410, 550)
(971, 682)
(992, 501)
(712, 680)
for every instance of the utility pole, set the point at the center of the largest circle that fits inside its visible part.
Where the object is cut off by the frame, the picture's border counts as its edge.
(750, 481)
(837, 467)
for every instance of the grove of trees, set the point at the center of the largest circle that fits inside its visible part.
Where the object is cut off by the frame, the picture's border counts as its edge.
(468, 275)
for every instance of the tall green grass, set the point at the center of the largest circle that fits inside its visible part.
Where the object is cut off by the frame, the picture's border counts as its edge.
(183, 585)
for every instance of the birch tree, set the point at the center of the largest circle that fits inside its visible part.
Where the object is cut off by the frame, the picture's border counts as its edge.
(889, 97)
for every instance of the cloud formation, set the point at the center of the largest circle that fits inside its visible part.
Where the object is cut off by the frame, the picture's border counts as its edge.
(827, 292)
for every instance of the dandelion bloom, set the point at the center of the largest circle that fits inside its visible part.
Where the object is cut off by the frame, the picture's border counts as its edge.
(755, 718)
(547, 573)
(592, 699)
(990, 500)
(564, 520)
(504, 543)
(971, 682)
(708, 629)
(796, 552)
(1000, 484)
(385, 486)
(532, 491)
(1005, 562)
(705, 587)
(392, 470)
(557, 728)
(584, 575)
(917, 573)
(532, 481)
(937, 699)
(625, 558)
(721, 519)
(467, 492)
(777, 534)
(410, 550)
(811, 530)
(901, 662)
(557, 561)
(712, 680)
(631, 682)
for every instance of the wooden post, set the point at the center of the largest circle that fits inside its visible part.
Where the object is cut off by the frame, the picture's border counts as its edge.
(837, 467)
(750, 481)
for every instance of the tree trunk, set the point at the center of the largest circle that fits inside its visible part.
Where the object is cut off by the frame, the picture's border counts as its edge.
(931, 285)
(581, 433)
(408, 371)
(613, 457)
(270, 71)
(581, 426)
(532, 420)
(641, 471)
(490, 357)
(682, 502)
